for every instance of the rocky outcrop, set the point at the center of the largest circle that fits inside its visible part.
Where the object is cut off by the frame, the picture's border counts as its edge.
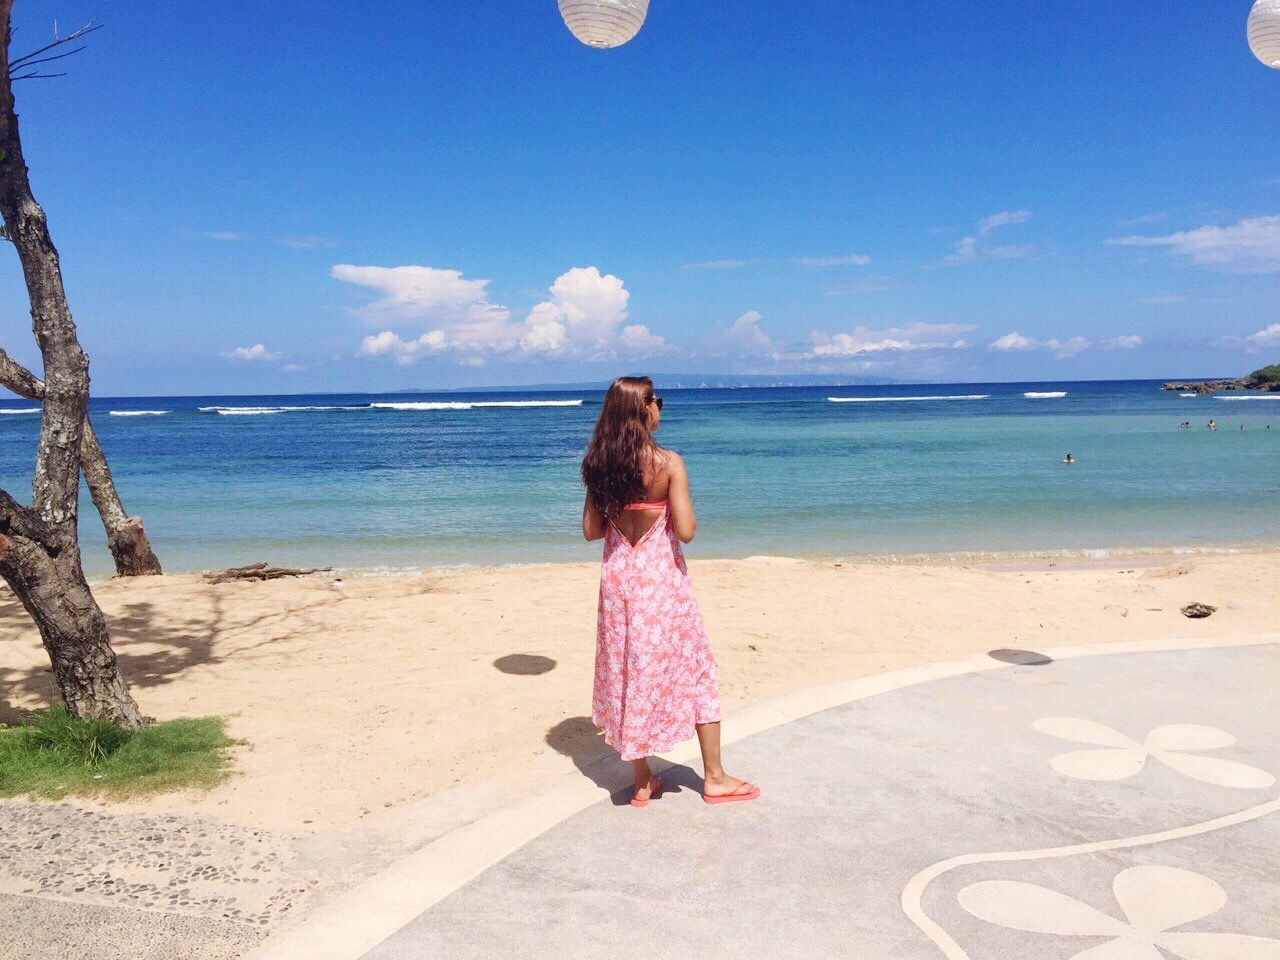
(1267, 380)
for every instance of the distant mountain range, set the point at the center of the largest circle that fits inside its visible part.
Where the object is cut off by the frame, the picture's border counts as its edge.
(690, 381)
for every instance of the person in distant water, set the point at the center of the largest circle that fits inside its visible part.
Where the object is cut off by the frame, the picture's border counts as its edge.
(1069, 459)
(1213, 424)
(655, 677)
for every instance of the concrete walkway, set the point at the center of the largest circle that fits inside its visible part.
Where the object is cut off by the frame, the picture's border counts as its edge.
(1100, 807)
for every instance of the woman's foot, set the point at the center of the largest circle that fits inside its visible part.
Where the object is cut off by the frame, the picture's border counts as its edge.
(724, 785)
(646, 791)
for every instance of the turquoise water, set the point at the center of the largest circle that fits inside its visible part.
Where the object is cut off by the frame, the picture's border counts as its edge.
(437, 481)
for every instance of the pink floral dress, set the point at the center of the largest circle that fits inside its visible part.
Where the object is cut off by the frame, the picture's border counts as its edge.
(655, 675)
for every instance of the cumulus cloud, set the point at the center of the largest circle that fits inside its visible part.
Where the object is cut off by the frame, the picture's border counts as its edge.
(580, 318)
(742, 339)
(583, 316)
(863, 340)
(841, 260)
(1249, 246)
(637, 341)
(972, 248)
(1062, 349)
(257, 352)
(724, 264)
(1268, 338)
(405, 352)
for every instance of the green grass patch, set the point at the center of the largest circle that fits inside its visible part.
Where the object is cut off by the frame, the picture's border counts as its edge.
(57, 755)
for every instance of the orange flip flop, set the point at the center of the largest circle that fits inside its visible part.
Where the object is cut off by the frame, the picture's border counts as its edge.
(731, 797)
(653, 793)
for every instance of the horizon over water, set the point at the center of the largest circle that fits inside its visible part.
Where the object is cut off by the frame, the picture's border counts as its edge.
(405, 481)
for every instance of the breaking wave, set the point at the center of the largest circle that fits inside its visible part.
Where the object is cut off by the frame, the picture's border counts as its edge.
(1046, 395)
(137, 413)
(962, 396)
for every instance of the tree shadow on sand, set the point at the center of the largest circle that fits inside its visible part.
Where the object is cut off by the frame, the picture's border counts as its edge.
(578, 739)
(155, 645)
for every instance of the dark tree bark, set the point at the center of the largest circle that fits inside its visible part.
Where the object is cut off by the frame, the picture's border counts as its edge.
(125, 537)
(39, 547)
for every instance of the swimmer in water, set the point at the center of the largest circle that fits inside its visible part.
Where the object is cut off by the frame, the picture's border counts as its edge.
(1213, 424)
(1069, 459)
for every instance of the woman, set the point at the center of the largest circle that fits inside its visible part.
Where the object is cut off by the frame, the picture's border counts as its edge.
(655, 680)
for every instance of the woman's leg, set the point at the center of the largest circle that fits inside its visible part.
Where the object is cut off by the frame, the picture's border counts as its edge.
(716, 782)
(644, 778)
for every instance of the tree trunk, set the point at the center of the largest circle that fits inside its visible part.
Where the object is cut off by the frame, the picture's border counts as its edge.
(125, 537)
(39, 547)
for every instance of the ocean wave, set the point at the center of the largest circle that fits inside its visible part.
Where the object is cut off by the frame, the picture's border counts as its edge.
(1046, 395)
(962, 396)
(469, 404)
(1260, 396)
(1188, 394)
(22, 410)
(137, 413)
(252, 411)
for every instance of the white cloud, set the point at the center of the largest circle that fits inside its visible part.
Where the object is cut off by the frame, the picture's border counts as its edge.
(843, 260)
(1126, 342)
(292, 368)
(743, 339)
(1014, 341)
(1249, 246)
(915, 337)
(405, 352)
(971, 248)
(637, 341)
(1165, 298)
(1062, 349)
(580, 318)
(224, 235)
(1268, 338)
(1002, 219)
(724, 264)
(257, 352)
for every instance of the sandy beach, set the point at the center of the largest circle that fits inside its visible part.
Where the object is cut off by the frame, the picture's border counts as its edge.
(358, 694)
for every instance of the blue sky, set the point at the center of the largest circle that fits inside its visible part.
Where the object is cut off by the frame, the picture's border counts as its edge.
(288, 197)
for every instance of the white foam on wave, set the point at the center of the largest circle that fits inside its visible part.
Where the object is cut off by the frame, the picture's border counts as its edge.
(1045, 395)
(1188, 394)
(962, 396)
(251, 411)
(137, 413)
(1260, 396)
(22, 410)
(469, 404)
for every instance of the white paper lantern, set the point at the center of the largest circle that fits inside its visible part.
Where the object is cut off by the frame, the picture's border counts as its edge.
(1264, 32)
(604, 23)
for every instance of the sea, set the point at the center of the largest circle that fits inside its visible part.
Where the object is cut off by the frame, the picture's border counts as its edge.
(391, 483)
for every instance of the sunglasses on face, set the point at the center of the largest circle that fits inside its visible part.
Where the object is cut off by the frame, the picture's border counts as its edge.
(653, 399)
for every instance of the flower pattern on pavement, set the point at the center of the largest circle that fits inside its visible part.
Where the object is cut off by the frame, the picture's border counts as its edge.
(1116, 756)
(1153, 899)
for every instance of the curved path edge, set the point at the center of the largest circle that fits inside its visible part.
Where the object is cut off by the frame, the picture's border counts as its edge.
(382, 904)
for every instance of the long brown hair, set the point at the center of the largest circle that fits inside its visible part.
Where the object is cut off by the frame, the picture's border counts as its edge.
(621, 446)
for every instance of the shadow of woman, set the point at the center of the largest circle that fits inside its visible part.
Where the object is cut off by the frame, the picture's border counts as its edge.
(578, 739)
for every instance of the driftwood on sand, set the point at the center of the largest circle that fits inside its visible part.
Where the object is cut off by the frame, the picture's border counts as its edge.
(260, 571)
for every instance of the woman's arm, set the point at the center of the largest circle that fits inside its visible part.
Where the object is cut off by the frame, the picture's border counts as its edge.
(683, 521)
(593, 522)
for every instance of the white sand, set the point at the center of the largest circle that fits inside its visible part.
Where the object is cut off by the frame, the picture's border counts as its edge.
(357, 695)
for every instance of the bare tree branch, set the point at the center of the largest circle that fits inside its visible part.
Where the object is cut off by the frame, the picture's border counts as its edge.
(25, 59)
